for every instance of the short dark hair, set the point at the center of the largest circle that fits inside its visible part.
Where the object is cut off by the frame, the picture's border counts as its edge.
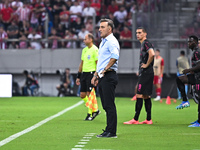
(182, 53)
(67, 69)
(25, 72)
(90, 35)
(143, 29)
(194, 37)
(110, 22)
(157, 50)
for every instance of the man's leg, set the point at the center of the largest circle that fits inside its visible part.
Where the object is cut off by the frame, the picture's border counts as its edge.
(138, 107)
(148, 106)
(181, 87)
(181, 81)
(107, 93)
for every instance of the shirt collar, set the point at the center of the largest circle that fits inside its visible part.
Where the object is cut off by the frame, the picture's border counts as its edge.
(108, 37)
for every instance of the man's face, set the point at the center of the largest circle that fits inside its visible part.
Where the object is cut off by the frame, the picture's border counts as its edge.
(157, 53)
(199, 44)
(104, 29)
(191, 43)
(140, 34)
(87, 40)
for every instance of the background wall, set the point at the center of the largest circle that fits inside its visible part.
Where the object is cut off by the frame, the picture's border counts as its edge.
(44, 64)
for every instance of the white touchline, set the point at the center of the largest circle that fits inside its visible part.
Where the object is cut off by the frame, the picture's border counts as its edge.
(14, 136)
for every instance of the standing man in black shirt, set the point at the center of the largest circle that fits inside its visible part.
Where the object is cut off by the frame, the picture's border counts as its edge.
(191, 76)
(146, 75)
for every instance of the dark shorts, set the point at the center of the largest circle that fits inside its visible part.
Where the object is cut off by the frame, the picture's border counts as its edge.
(86, 78)
(145, 84)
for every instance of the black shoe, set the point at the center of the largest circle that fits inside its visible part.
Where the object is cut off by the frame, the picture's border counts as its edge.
(94, 114)
(88, 117)
(107, 135)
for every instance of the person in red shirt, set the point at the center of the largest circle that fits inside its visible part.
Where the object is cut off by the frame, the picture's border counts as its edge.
(6, 15)
(97, 7)
(64, 17)
(158, 73)
(113, 7)
(126, 34)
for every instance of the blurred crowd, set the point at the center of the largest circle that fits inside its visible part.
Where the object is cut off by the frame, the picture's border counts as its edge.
(29, 21)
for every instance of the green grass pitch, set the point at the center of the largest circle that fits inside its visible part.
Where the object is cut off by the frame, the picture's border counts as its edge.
(170, 130)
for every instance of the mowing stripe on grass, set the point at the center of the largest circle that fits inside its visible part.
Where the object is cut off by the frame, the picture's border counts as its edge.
(14, 136)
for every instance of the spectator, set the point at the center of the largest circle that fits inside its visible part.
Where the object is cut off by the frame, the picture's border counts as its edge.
(133, 8)
(81, 36)
(6, 15)
(54, 37)
(34, 21)
(26, 28)
(23, 14)
(60, 31)
(116, 33)
(68, 4)
(120, 17)
(113, 7)
(35, 40)
(77, 25)
(16, 4)
(89, 25)
(23, 42)
(88, 11)
(57, 9)
(31, 84)
(96, 4)
(72, 39)
(75, 11)
(126, 34)
(3, 36)
(197, 13)
(3, 5)
(67, 83)
(13, 33)
(64, 17)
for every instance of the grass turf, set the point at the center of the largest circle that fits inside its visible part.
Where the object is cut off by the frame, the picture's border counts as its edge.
(169, 131)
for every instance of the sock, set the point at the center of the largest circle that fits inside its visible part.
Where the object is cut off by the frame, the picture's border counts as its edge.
(148, 106)
(85, 99)
(186, 89)
(179, 93)
(90, 112)
(138, 107)
(181, 88)
(158, 91)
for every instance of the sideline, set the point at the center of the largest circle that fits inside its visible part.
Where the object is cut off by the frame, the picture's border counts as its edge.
(14, 136)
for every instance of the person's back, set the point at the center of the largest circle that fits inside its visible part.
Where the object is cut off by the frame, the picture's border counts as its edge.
(182, 63)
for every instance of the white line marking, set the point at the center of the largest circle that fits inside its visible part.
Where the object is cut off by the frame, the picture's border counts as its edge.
(82, 142)
(14, 136)
(190, 133)
(87, 137)
(85, 140)
(79, 146)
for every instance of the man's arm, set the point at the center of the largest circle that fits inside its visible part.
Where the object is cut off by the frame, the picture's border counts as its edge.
(79, 73)
(193, 69)
(110, 64)
(162, 67)
(150, 59)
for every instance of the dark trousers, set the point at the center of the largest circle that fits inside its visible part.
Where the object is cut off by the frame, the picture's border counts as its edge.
(107, 86)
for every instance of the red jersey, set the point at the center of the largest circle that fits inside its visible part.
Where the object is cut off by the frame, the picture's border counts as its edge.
(6, 13)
